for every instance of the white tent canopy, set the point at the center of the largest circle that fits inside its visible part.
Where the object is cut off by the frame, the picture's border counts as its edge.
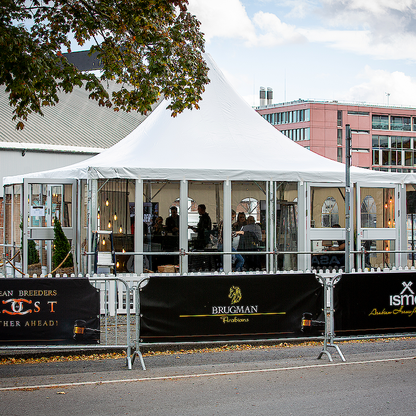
(224, 140)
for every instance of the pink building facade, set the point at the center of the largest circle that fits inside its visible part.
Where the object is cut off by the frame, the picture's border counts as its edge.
(383, 138)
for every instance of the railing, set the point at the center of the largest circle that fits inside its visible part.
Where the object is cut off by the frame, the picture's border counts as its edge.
(358, 263)
(377, 296)
(116, 321)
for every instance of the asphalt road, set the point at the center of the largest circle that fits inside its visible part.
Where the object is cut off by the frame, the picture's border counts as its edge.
(378, 378)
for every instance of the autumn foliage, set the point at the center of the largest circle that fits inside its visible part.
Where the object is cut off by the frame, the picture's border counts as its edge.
(150, 47)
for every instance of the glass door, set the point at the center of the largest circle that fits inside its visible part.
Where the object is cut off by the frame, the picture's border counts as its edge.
(48, 201)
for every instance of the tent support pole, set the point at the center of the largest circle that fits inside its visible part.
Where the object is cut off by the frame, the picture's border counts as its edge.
(138, 226)
(183, 225)
(227, 259)
(347, 198)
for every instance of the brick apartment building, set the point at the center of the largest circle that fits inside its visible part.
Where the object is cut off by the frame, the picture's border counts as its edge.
(383, 137)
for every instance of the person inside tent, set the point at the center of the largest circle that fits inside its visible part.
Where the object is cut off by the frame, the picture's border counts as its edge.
(241, 221)
(203, 228)
(172, 222)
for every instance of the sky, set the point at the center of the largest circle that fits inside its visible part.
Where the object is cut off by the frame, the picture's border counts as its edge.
(346, 50)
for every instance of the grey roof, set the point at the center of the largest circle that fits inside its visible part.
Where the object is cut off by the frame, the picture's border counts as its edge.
(76, 121)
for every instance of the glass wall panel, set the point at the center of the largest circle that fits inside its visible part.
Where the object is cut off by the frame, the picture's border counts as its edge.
(11, 233)
(116, 214)
(248, 200)
(38, 206)
(381, 208)
(411, 223)
(205, 218)
(327, 207)
(161, 216)
(287, 224)
(377, 254)
(368, 212)
(323, 258)
(83, 205)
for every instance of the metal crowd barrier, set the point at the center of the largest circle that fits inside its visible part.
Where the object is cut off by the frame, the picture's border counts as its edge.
(331, 337)
(116, 319)
(140, 343)
(120, 311)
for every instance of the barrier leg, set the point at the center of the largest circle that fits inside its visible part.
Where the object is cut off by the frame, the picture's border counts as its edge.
(329, 320)
(139, 354)
(129, 360)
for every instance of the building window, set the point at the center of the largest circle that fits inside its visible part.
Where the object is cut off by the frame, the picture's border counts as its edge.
(380, 122)
(385, 157)
(330, 214)
(339, 154)
(396, 142)
(360, 131)
(408, 158)
(339, 118)
(339, 137)
(376, 157)
(384, 141)
(400, 123)
(358, 113)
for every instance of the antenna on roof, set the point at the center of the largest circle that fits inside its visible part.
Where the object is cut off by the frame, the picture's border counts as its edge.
(269, 96)
(262, 96)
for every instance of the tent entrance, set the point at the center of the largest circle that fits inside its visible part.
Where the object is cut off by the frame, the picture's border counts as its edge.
(46, 202)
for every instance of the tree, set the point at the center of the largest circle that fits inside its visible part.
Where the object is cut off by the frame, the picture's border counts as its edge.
(32, 253)
(61, 247)
(150, 47)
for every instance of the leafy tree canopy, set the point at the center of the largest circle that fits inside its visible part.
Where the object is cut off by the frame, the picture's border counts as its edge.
(150, 47)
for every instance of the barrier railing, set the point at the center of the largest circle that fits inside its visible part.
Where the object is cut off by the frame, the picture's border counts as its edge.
(203, 322)
(369, 305)
(364, 305)
(320, 260)
(115, 330)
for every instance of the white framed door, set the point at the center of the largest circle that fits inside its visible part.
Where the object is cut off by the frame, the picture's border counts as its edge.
(44, 201)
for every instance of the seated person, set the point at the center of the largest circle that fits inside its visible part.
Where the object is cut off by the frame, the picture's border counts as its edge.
(158, 226)
(341, 243)
(251, 227)
(241, 221)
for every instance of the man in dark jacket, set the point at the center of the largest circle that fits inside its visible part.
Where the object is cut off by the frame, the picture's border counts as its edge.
(203, 228)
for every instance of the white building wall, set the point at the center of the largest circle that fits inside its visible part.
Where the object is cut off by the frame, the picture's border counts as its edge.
(18, 162)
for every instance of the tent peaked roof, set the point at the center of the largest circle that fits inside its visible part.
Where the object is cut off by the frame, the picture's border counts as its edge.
(224, 139)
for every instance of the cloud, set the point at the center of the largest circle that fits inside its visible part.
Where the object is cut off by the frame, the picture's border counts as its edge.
(362, 42)
(386, 21)
(378, 83)
(381, 29)
(219, 18)
(274, 31)
(229, 19)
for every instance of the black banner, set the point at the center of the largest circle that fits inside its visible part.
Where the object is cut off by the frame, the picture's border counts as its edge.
(204, 308)
(375, 303)
(49, 311)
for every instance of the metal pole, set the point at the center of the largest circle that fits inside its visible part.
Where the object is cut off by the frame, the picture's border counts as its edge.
(347, 198)
(413, 242)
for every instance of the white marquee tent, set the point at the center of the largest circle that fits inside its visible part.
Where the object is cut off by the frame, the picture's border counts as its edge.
(224, 139)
